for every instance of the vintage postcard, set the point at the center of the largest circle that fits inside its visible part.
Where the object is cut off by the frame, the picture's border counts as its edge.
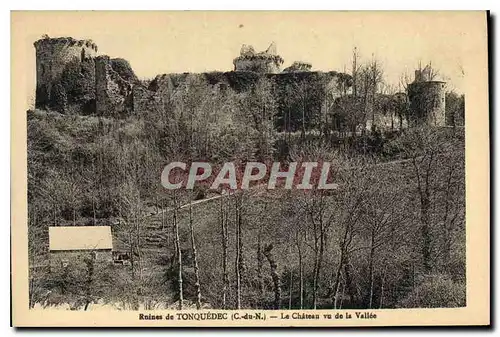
(250, 168)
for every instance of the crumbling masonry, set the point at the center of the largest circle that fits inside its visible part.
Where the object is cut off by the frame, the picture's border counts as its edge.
(73, 79)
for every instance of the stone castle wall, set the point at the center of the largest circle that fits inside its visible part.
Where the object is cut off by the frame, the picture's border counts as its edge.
(258, 65)
(71, 77)
(113, 93)
(110, 90)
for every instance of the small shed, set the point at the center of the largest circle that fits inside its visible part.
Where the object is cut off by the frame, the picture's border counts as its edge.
(70, 245)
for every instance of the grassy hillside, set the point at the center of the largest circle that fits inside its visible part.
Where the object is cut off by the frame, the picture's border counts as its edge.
(374, 242)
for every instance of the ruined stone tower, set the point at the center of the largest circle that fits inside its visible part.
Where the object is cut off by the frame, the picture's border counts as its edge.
(65, 73)
(265, 62)
(427, 99)
(113, 92)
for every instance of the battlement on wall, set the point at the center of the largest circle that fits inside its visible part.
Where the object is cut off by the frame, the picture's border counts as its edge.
(66, 41)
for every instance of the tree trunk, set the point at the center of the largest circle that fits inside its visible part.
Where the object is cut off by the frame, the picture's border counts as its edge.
(342, 295)
(322, 242)
(382, 288)
(337, 278)
(343, 244)
(238, 258)
(319, 248)
(301, 271)
(163, 210)
(225, 276)
(260, 263)
(179, 255)
(195, 259)
(303, 120)
(426, 239)
(315, 269)
(370, 271)
(291, 279)
(131, 249)
(93, 210)
(90, 277)
(274, 275)
(139, 253)
(351, 290)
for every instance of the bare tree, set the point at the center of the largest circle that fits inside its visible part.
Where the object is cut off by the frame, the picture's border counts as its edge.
(318, 211)
(178, 250)
(352, 203)
(290, 290)
(239, 257)
(404, 81)
(355, 70)
(195, 258)
(274, 275)
(225, 237)
(130, 208)
(449, 203)
(90, 263)
(298, 243)
(424, 148)
(260, 257)
(381, 220)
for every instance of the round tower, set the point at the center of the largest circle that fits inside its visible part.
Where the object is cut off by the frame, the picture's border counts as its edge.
(53, 55)
(427, 103)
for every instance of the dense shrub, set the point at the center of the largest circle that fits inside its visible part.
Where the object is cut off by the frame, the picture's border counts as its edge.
(437, 291)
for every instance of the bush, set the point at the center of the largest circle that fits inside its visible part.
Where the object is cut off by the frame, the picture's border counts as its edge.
(123, 68)
(438, 291)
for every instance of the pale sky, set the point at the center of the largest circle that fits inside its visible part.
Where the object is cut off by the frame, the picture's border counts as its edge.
(172, 42)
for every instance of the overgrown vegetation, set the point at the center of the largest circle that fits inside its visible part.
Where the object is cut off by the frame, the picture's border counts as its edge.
(392, 235)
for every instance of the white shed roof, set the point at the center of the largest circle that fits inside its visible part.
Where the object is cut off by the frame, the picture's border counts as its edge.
(80, 238)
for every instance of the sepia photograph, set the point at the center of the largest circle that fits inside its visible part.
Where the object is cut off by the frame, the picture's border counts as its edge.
(276, 168)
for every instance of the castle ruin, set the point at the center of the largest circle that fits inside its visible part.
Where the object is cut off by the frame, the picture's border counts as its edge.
(73, 79)
(65, 73)
(264, 62)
